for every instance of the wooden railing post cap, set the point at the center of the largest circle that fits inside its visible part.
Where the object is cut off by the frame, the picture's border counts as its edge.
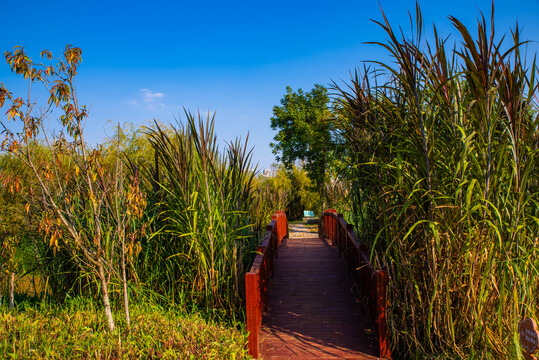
(339, 215)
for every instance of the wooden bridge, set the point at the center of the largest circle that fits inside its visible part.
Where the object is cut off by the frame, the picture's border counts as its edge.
(316, 297)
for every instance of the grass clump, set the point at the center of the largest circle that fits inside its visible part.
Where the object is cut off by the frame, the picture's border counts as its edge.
(201, 226)
(78, 331)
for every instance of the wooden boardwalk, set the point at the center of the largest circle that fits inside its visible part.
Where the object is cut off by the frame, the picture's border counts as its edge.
(312, 312)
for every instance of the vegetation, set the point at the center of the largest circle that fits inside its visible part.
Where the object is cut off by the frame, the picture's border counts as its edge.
(270, 193)
(286, 188)
(86, 209)
(304, 126)
(437, 155)
(201, 234)
(158, 217)
(434, 155)
(75, 331)
(303, 194)
(443, 159)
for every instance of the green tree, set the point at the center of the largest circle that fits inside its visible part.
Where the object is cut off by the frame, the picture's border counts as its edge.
(302, 197)
(304, 133)
(272, 193)
(289, 189)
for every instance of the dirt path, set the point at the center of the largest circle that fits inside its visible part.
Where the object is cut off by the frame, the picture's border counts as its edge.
(302, 230)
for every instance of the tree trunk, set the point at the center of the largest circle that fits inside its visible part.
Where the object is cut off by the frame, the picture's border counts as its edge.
(105, 296)
(126, 294)
(12, 290)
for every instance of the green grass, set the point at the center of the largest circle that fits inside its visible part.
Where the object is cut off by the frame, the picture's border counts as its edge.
(78, 330)
(297, 222)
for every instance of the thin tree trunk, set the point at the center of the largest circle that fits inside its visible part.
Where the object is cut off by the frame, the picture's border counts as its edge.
(12, 290)
(105, 296)
(126, 294)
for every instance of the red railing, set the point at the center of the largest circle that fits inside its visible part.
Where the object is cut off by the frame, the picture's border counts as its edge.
(372, 282)
(257, 280)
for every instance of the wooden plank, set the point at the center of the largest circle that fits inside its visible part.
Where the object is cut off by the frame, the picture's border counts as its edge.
(312, 311)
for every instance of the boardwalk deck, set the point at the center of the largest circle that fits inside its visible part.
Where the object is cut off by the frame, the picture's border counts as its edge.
(312, 312)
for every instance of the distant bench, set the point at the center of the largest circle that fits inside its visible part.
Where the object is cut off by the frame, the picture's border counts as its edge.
(308, 215)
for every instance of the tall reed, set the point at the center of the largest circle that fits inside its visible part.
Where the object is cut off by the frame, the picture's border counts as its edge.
(443, 148)
(202, 225)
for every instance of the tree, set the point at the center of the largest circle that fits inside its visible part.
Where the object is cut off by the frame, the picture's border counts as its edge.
(272, 193)
(304, 133)
(12, 221)
(83, 210)
(289, 189)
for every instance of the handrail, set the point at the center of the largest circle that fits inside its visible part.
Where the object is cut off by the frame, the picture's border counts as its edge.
(372, 282)
(257, 279)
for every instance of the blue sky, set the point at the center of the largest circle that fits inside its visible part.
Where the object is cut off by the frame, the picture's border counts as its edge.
(147, 60)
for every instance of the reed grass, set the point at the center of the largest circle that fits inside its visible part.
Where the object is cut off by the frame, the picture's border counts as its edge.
(202, 228)
(442, 144)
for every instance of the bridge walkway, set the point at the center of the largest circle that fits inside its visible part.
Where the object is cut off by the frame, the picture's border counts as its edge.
(312, 308)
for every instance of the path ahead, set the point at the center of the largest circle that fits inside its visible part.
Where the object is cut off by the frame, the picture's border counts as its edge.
(312, 312)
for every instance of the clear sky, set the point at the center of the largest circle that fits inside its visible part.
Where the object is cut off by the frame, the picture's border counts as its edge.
(146, 60)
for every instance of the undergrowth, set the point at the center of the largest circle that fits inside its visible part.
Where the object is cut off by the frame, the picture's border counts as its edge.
(77, 330)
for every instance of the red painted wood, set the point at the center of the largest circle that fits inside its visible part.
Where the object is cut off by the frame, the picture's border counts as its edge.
(251, 301)
(372, 282)
(311, 310)
(258, 278)
(381, 286)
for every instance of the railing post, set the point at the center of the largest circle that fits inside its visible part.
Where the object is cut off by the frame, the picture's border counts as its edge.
(349, 227)
(252, 293)
(335, 219)
(332, 229)
(276, 229)
(286, 225)
(381, 294)
(326, 222)
(339, 230)
(326, 225)
(278, 226)
(331, 225)
(282, 224)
